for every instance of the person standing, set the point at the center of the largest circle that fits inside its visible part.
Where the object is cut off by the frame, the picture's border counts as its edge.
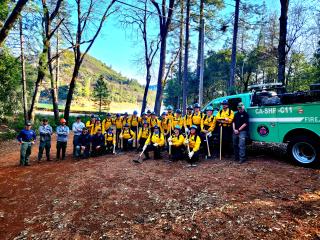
(118, 124)
(193, 142)
(26, 139)
(77, 127)
(107, 122)
(208, 125)
(187, 120)
(62, 138)
(196, 117)
(90, 124)
(177, 120)
(240, 127)
(134, 122)
(83, 145)
(45, 131)
(224, 118)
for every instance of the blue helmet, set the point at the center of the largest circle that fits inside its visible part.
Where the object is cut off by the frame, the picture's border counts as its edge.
(93, 116)
(126, 125)
(118, 115)
(178, 111)
(164, 113)
(108, 114)
(209, 108)
(153, 113)
(196, 105)
(194, 127)
(149, 111)
(135, 112)
(190, 107)
(177, 127)
(169, 107)
(143, 113)
(156, 127)
(225, 102)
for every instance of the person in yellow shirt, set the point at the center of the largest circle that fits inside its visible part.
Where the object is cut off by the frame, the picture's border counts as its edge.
(165, 125)
(208, 124)
(144, 133)
(192, 142)
(187, 120)
(176, 142)
(197, 117)
(224, 120)
(177, 119)
(170, 114)
(110, 141)
(107, 122)
(154, 143)
(148, 116)
(125, 119)
(134, 122)
(90, 124)
(118, 123)
(97, 125)
(144, 118)
(153, 121)
(127, 136)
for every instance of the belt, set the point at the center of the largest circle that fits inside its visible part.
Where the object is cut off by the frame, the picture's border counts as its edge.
(224, 125)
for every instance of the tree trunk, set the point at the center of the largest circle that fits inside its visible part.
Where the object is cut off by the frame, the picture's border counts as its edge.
(161, 75)
(23, 73)
(146, 89)
(41, 74)
(201, 57)
(186, 61)
(57, 67)
(4, 32)
(71, 90)
(231, 85)
(282, 41)
(199, 38)
(181, 43)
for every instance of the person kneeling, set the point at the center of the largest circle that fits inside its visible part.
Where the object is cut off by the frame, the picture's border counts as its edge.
(110, 140)
(127, 136)
(176, 144)
(154, 143)
(83, 146)
(192, 142)
(98, 143)
(144, 133)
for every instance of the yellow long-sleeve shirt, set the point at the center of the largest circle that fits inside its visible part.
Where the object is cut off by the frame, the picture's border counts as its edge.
(165, 125)
(225, 117)
(153, 122)
(170, 116)
(96, 127)
(197, 118)
(125, 120)
(127, 134)
(187, 120)
(144, 133)
(194, 142)
(208, 123)
(90, 125)
(110, 138)
(107, 123)
(177, 141)
(156, 138)
(177, 121)
(134, 121)
(118, 123)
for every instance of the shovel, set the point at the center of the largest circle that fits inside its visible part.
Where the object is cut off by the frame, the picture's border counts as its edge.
(220, 142)
(139, 160)
(208, 148)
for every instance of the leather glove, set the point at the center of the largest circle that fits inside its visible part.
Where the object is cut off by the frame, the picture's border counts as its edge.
(190, 154)
(144, 147)
(156, 144)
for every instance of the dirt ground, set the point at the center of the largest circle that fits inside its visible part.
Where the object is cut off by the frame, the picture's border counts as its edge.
(110, 197)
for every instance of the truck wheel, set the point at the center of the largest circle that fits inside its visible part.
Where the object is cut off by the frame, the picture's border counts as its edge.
(304, 151)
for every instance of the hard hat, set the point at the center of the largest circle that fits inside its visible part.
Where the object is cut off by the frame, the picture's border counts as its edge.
(190, 107)
(148, 111)
(93, 116)
(194, 127)
(125, 113)
(108, 114)
(164, 113)
(177, 127)
(143, 113)
(135, 112)
(126, 125)
(28, 123)
(178, 111)
(62, 120)
(209, 108)
(169, 107)
(98, 119)
(196, 105)
(224, 102)
(156, 127)
(153, 113)
(118, 115)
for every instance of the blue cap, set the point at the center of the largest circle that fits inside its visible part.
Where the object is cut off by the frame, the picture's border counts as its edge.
(178, 111)
(224, 102)
(93, 116)
(156, 127)
(177, 127)
(164, 113)
(126, 125)
(209, 108)
(197, 105)
(118, 115)
(169, 107)
(108, 114)
(135, 112)
(194, 127)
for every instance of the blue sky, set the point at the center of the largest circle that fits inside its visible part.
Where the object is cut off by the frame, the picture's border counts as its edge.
(118, 48)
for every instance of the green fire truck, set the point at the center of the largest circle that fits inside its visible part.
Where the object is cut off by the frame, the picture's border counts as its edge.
(292, 118)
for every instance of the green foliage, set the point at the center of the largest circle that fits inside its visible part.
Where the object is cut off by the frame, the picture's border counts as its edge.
(10, 90)
(101, 93)
(4, 10)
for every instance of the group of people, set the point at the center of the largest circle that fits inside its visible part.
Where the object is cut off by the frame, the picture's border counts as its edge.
(184, 137)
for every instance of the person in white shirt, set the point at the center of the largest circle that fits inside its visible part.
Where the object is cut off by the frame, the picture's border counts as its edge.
(77, 127)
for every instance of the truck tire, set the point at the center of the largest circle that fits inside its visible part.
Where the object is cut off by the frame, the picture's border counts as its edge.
(304, 151)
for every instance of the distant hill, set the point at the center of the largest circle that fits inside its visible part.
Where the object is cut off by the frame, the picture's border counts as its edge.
(126, 91)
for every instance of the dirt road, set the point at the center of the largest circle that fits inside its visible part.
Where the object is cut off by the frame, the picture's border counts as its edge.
(109, 197)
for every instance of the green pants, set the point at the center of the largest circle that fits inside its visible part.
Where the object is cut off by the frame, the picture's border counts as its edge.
(25, 152)
(44, 145)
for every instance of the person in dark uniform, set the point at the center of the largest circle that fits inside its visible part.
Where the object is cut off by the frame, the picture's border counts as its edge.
(98, 147)
(240, 127)
(83, 145)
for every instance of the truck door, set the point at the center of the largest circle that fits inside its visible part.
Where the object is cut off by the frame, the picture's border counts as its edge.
(263, 123)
